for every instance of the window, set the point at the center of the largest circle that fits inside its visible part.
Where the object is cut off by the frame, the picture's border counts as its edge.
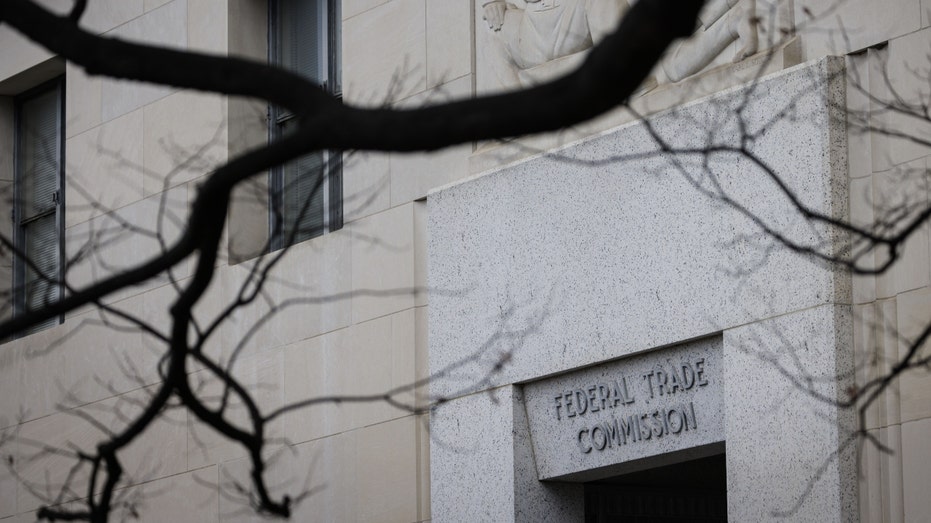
(38, 216)
(305, 194)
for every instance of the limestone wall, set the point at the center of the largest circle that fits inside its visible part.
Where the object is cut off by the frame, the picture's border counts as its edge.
(131, 148)
(126, 145)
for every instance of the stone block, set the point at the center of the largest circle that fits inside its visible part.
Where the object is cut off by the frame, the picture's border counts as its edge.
(421, 281)
(382, 263)
(190, 497)
(423, 349)
(20, 54)
(84, 360)
(404, 355)
(59, 7)
(423, 467)
(899, 77)
(233, 326)
(899, 196)
(124, 238)
(384, 51)
(798, 363)
(248, 30)
(281, 478)
(11, 386)
(125, 96)
(103, 15)
(891, 476)
(413, 175)
(368, 359)
(366, 184)
(82, 100)
(247, 227)
(152, 4)
(876, 349)
(104, 169)
(311, 371)
(367, 474)
(916, 459)
(888, 321)
(207, 26)
(871, 501)
(185, 138)
(313, 283)
(859, 156)
(914, 388)
(352, 8)
(29, 517)
(449, 39)
(248, 221)
(155, 454)
(861, 215)
(472, 439)
(854, 25)
(481, 464)
(165, 26)
(875, 74)
(24, 405)
(868, 354)
(9, 484)
(391, 494)
(262, 375)
(325, 466)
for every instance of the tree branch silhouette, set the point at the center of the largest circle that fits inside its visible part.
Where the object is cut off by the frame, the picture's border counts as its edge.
(610, 74)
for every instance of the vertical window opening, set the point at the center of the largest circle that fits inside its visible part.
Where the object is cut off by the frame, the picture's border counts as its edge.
(38, 204)
(306, 193)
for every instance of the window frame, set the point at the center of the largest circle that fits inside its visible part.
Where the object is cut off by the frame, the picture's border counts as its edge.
(277, 119)
(18, 223)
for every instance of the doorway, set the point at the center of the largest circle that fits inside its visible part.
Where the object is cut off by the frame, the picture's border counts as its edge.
(693, 491)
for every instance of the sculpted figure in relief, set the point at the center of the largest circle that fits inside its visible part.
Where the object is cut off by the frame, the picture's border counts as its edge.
(534, 40)
(722, 22)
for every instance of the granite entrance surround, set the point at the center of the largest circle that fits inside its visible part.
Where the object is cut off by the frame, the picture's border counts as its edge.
(554, 278)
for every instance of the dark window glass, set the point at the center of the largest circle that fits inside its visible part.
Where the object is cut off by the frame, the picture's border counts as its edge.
(305, 194)
(37, 210)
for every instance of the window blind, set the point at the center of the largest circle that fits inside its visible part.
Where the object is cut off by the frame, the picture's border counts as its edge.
(38, 178)
(302, 34)
(39, 154)
(303, 197)
(306, 193)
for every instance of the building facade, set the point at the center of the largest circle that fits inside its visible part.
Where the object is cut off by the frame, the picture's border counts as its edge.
(606, 332)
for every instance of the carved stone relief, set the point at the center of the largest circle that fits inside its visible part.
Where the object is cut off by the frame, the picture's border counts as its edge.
(523, 42)
(533, 40)
(722, 22)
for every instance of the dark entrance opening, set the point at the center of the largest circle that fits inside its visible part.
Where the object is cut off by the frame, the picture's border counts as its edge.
(694, 491)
